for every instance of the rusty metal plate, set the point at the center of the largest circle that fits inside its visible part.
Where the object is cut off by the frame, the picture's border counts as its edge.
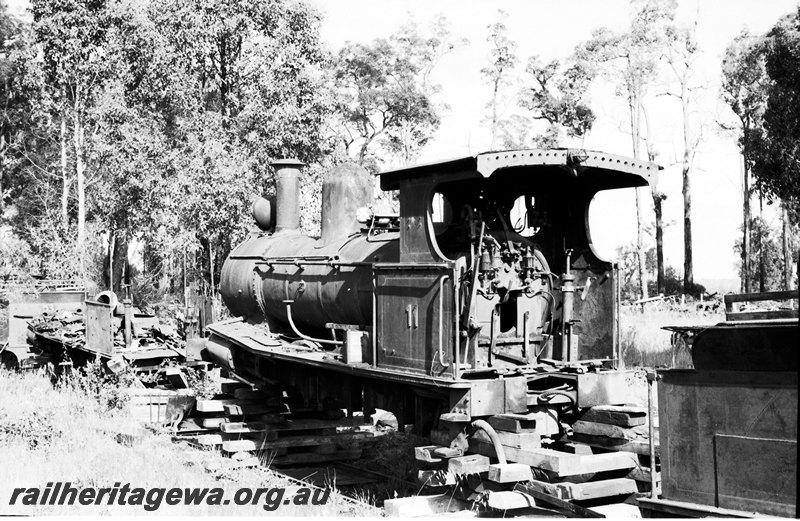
(99, 328)
(756, 474)
(516, 395)
(487, 397)
(604, 388)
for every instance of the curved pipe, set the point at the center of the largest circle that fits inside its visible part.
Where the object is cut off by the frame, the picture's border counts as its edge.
(498, 447)
(543, 397)
(301, 335)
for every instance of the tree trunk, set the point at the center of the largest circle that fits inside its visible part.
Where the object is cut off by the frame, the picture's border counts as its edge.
(746, 225)
(211, 264)
(762, 267)
(80, 179)
(112, 239)
(633, 105)
(494, 113)
(787, 252)
(657, 200)
(2, 169)
(688, 268)
(120, 262)
(65, 179)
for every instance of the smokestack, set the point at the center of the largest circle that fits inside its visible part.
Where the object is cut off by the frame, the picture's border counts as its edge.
(287, 187)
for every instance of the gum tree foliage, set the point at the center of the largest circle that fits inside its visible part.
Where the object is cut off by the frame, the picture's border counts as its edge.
(744, 89)
(776, 160)
(502, 60)
(385, 95)
(229, 87)
(72, 35)
(556, 95)
(762, 89)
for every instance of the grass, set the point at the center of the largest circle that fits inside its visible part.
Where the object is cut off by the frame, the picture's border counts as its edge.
(67, 434)
(645, 344)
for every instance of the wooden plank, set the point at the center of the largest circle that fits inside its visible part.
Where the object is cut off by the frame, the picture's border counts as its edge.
(509, 473)
(436, 478)
(212, 423)
(426, 453)
(522, 440)
(638, 433)
(761, 315)
(212, 405)
(601, 489)
(251, 409)
(502, 422)
(565, 507)
(509, 500)
(176, 378)
(613, 416)
(243, 427)
(617, 444)
(759, 297)
(574, 448)
(418, 506)
(469, 464)
(561, 463)
(447, 452)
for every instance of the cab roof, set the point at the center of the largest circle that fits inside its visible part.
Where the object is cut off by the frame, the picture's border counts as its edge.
(606, 170)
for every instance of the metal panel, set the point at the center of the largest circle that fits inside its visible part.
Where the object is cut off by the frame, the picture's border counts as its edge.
(696, 407)
(604, 388)
(769, 482)
(414, 325)
(99, 328)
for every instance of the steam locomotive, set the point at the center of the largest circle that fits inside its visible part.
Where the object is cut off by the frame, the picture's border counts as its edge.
(484, 296)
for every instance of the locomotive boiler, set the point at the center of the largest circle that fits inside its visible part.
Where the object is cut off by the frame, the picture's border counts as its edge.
(483, 296)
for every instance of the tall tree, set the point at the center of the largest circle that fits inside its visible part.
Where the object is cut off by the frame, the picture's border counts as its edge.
(744, 83)
(557, 96)
(385, 96)
(776, 165)
(502, 60)
(73, 38)
(630, 59)
(682, 52)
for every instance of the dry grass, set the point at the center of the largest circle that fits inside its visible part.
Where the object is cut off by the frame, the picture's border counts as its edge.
(49, 435)
(645, 344)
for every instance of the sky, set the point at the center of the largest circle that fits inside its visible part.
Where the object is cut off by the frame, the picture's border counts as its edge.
(551, 30)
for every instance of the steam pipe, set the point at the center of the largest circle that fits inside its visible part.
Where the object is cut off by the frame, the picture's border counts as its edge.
(301, 335)
(498, 447)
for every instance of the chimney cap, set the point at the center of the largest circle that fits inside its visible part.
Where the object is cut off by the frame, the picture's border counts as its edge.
(287, 163)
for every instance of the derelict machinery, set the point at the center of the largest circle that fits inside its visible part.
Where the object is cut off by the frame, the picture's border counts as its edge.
(484, 295)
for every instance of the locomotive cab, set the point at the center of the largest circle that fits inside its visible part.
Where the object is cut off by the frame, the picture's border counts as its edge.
(506, 234)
